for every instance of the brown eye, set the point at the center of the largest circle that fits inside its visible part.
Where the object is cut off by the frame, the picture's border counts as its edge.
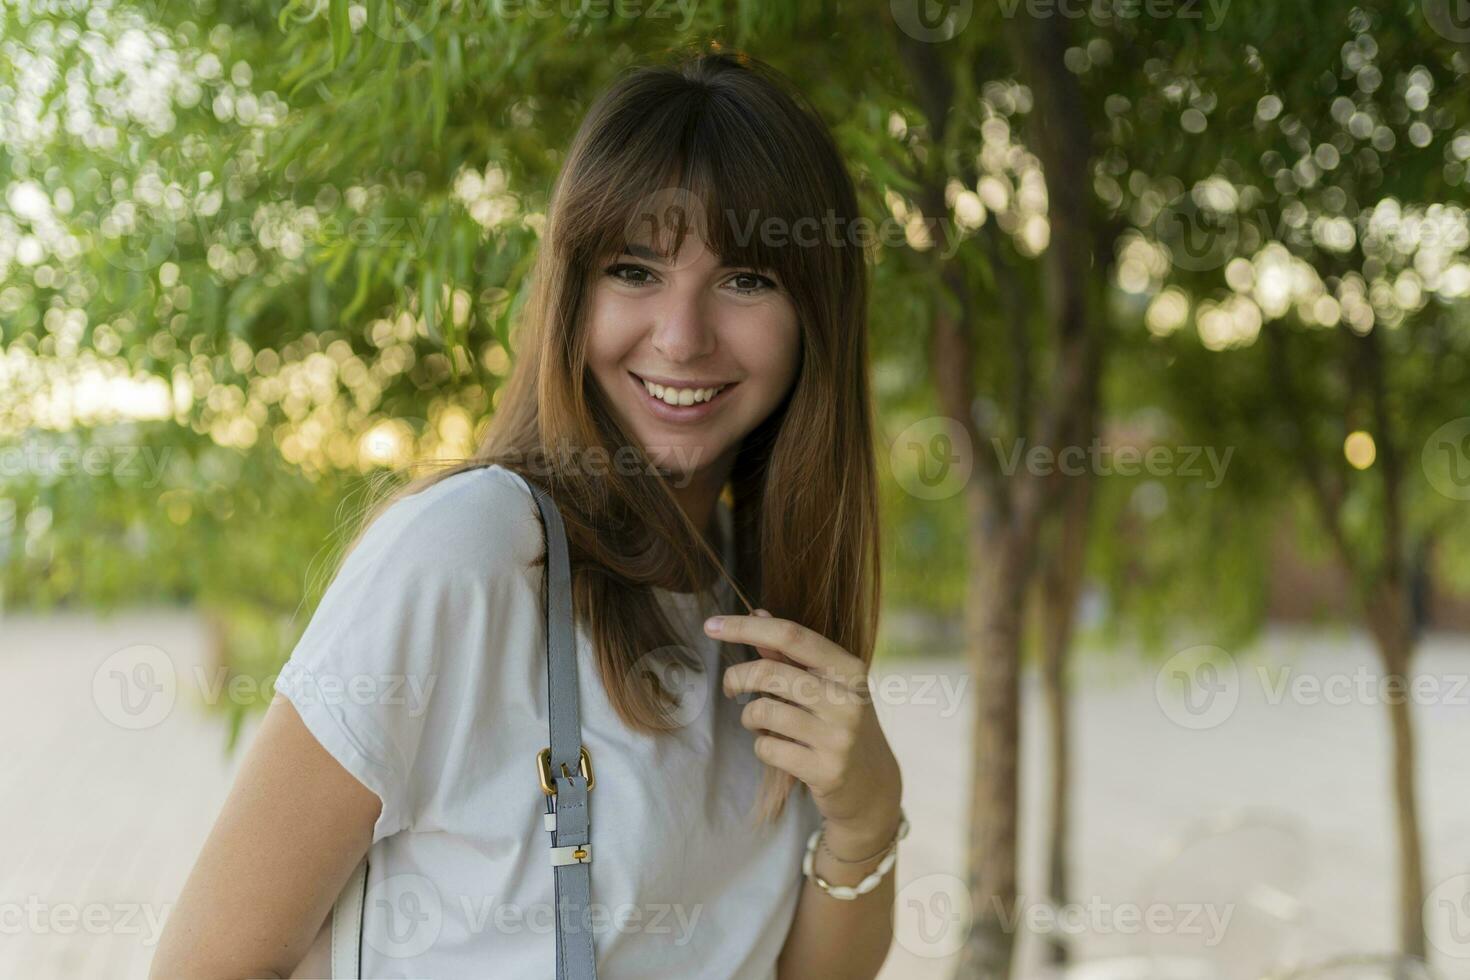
(619, 270)
(750, 283)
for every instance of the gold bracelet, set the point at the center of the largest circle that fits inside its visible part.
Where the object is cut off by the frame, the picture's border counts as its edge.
(863, 860)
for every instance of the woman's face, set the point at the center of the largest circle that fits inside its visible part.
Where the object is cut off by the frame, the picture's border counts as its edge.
(691, 355)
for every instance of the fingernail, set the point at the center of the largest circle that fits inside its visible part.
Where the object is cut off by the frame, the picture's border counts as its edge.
(762, 612)
(714, 624)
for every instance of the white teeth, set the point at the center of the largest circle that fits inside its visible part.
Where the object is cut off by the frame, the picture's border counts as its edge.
(681, 396)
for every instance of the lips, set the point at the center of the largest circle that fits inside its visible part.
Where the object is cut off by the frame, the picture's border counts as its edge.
(693, 412)
(681, 395)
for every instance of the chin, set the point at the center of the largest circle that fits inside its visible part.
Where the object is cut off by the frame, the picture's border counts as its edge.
(679, 459)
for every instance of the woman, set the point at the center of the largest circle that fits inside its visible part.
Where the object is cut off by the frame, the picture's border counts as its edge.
(693, 393)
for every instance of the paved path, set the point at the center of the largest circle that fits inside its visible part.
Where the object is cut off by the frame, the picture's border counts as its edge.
(1273, 814)
(112, 816)
(1275, 811)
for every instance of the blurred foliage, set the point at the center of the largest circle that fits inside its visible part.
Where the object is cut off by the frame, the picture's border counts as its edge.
(1304, 214)
(281, 246)
(292, 239)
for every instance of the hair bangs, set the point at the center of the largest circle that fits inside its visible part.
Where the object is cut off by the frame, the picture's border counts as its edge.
(742, 205)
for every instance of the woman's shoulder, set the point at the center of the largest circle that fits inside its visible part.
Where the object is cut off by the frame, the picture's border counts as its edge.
(481, 520)
(417, 606)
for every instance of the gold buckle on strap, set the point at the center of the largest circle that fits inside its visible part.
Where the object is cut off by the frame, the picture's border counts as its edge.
(543, 768)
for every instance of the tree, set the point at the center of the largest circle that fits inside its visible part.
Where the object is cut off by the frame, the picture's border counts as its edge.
(1303, 231)
(1049, 400)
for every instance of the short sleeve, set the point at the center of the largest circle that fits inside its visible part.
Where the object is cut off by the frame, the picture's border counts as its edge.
(377, 667)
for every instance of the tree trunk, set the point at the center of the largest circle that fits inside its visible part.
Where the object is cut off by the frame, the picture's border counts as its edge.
(1411, 865)
(1006, 512)
(1061, 585)
(996, 596)
(1004, 546)
(1382, 588)
(1390, 619)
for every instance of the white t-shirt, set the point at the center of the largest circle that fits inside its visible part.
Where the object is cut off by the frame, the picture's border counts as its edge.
(423, 672)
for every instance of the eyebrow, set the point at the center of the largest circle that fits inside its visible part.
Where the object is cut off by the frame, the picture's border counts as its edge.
(641, 252)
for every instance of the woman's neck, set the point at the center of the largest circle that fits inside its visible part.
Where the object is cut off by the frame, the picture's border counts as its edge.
(698, 493)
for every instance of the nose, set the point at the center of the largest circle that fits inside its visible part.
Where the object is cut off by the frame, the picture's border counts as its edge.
(682, 330)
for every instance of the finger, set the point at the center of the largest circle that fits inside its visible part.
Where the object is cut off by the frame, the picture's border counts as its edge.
(792, 757)
(792, 683)
(822, 697)
(767, 652)
(806, 647)
(786, 720)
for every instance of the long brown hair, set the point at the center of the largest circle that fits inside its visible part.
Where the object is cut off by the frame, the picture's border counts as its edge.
(716, 135)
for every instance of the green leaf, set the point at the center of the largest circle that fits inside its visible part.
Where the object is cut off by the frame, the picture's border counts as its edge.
(364, 280)
(341, 31)
(429, 301)
(336, 257)
(439, 98)
(286, 12)
(312, 76)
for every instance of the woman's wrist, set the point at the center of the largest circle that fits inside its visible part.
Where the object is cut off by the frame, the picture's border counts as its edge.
(847, 878)
(852, 843)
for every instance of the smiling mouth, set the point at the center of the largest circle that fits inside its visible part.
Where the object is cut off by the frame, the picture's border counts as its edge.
(678, 396)
(681, 403)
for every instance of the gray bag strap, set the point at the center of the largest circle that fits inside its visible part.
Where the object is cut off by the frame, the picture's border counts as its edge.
(566, 817)
(567, 791)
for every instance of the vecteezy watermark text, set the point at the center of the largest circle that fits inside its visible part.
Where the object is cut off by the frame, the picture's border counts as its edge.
(1103, 460)
(655, 918)
(1099, 917)
(38, 917)
(677, 464)
(1200, 687)
(942, 690)
(1105, 12)
(137, 687)
(35, 459)
(411, 913)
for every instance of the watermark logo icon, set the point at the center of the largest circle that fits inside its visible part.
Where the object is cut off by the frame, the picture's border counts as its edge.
(933, 458)
(1446, 459)
(410, 915)
(932, 915)
(137, 237)
(931, 21)
(1198, 687)
(1198, 239)
(666, 219)
(403, 21)
(1450, 19)
(1447, 916)
(670, 669)
(136, 687)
